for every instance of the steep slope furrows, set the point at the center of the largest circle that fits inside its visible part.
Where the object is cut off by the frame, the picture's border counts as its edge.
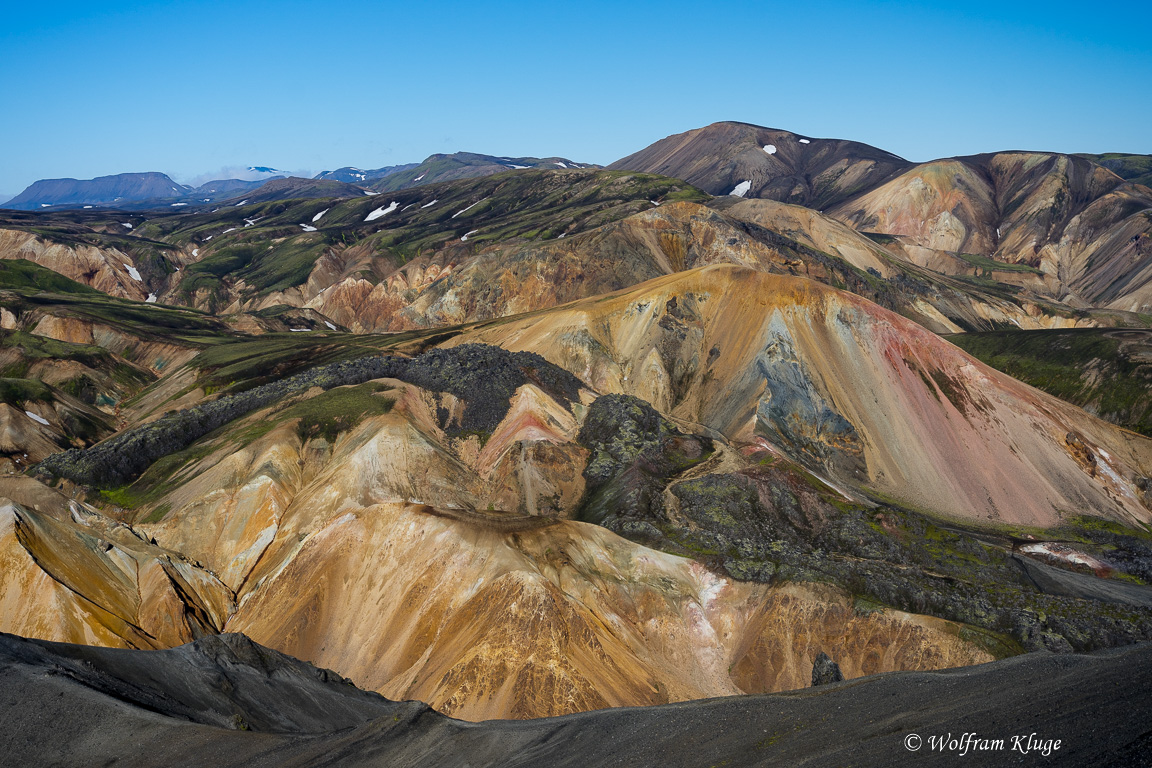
(1079, 225)
(72, 574)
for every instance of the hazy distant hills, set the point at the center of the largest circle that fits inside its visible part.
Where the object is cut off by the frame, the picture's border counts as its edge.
(103, 190)
(150, 191)
(132, 191)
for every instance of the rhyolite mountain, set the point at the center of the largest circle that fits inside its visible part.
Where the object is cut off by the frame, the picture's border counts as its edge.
(751, 161)
(1083, 231)
(549, 440)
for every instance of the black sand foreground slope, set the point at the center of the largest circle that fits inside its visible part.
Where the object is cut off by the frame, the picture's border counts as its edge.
(226, 701)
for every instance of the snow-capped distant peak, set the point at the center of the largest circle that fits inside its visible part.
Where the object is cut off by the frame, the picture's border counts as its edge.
(264, 169)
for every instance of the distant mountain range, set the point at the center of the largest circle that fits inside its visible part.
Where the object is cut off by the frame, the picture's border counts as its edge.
(103, 191)
(149, 191)
(352, 175)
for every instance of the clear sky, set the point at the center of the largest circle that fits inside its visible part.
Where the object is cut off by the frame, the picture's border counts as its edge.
(193, 87)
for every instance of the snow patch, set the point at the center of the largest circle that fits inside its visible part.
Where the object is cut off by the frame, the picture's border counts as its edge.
(515, 167)
(299, 330)
(177, 205)
(465, 238)
(330, 325)
(308, 227)
(209, 238)
(429, 205)
(770, 148)
(195, 252)
(49, 205)
(87, 206)
(420, 176)
(804, 141)
(654, 202)
(36, 418)
(242, 202)
(316, 218)
(134, 274)
(561, 164)
(382, 211)
(1062, 552)
(126, 224)
(151, 299)
(741, 189)
(469, 207)
(230, 229)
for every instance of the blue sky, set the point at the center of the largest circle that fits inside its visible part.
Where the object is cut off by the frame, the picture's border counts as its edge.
(191, 88)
